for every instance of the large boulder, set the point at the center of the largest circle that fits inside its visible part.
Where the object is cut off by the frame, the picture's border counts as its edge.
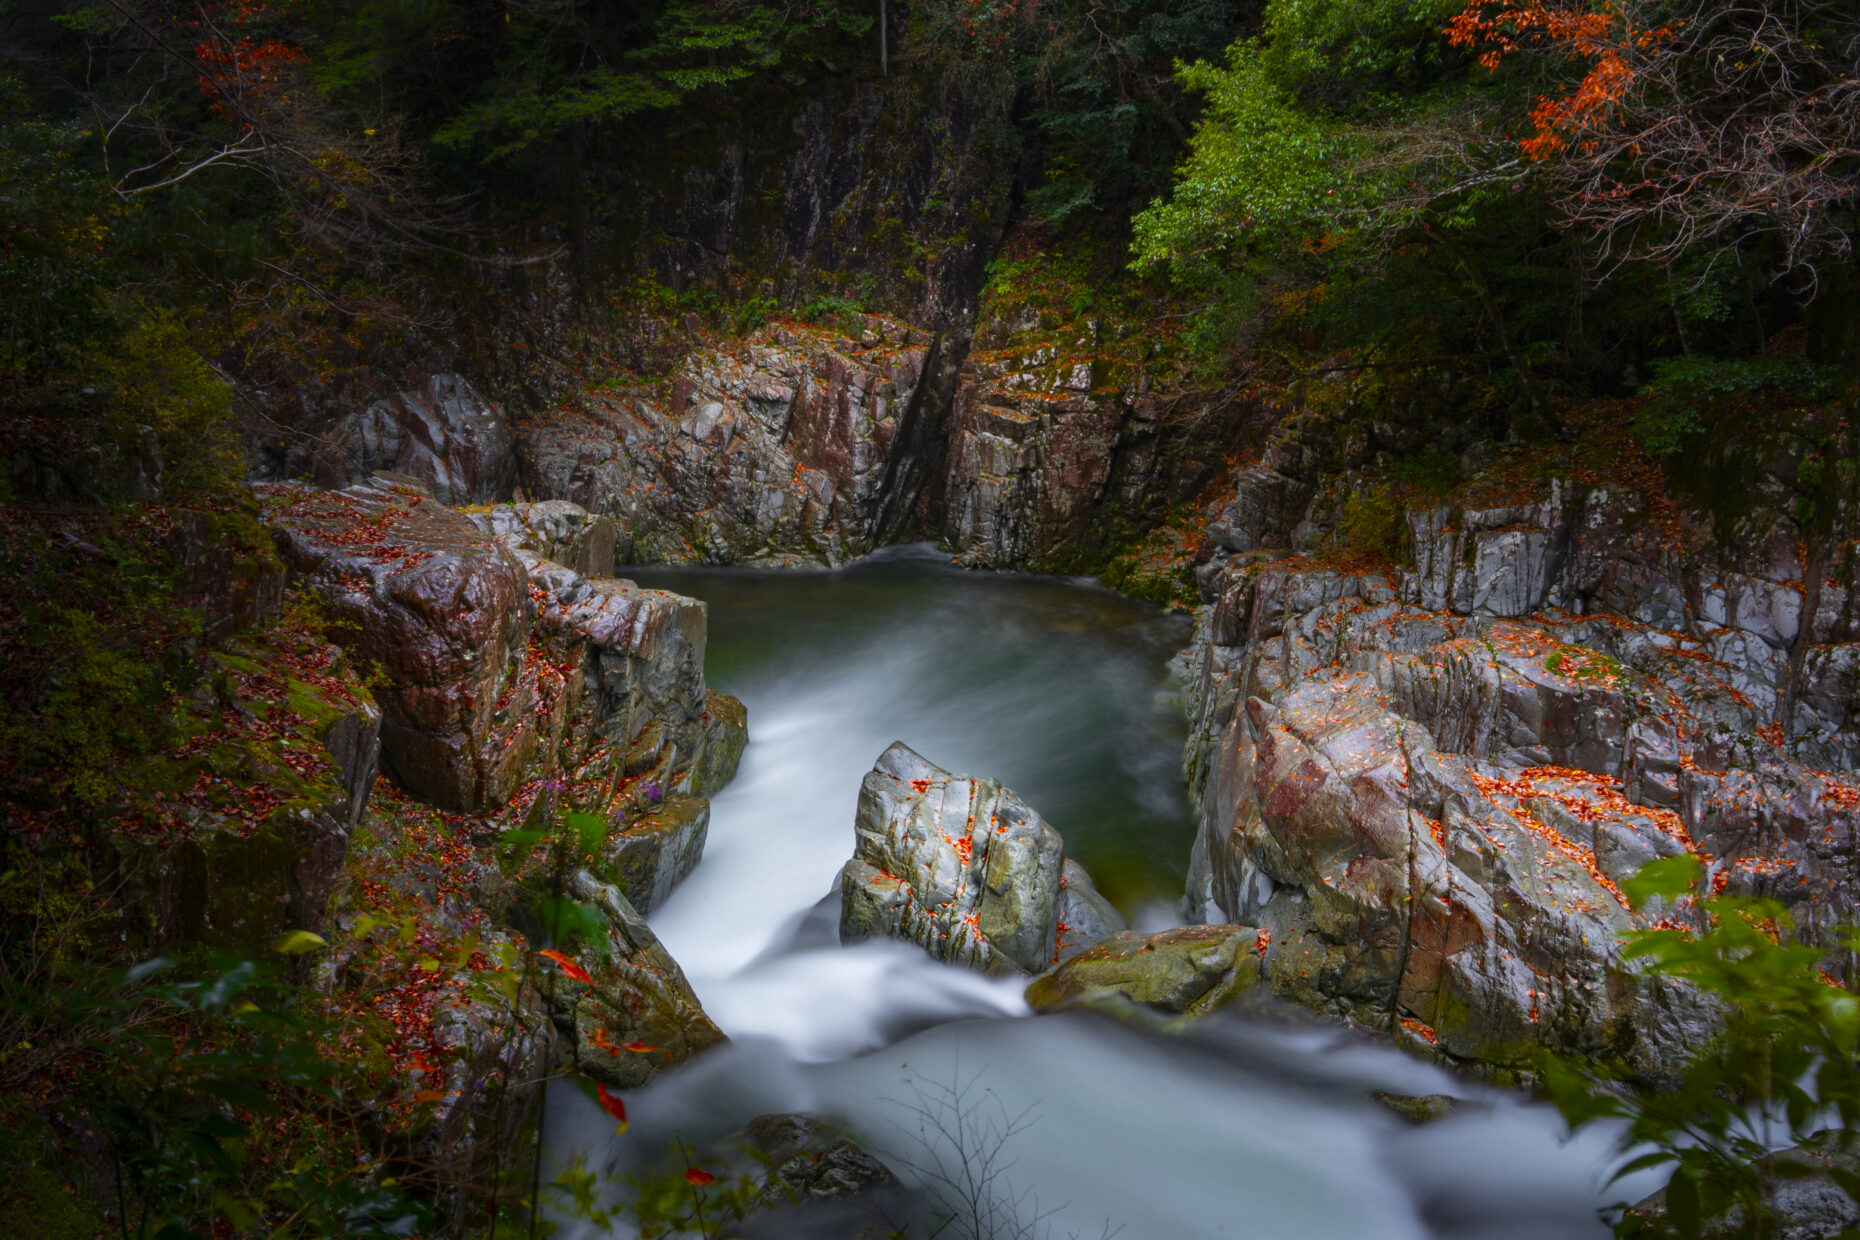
(1190, 970)
(635, 1014)
(1431, 813)
(960, 866)
(442, 612)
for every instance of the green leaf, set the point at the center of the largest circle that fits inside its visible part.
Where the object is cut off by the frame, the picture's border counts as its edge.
(297, 942)
(1682, 1203)
(1668, 877)
(590, 830)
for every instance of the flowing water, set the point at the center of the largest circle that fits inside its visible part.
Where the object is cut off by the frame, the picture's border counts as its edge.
(1243, 1127)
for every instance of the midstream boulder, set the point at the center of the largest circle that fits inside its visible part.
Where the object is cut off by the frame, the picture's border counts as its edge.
(963, 867)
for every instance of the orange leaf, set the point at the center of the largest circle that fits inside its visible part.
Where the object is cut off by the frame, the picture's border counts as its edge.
(612, 1104)
(569, 967)
(641, 1047)
(698, 1178)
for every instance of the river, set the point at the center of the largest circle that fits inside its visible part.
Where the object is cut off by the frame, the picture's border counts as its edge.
(1259, 1126)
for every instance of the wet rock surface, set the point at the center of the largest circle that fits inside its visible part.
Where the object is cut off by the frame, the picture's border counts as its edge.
(444, 613)
(809, 1161)
(960, 866)
(773, 449)
(635, 1015)
(1427, 783)
(1192, 970)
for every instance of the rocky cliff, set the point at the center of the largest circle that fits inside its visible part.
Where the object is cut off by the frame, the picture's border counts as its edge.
(1427, 779)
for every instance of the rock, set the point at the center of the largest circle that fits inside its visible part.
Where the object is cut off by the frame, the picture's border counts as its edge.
(808, 1161)
(960, 866)
(726, 735)
(1807, 1202)
(1192, 970)
(554, 530)
(1420, 1108)
(444, 612)
(442, 432)
(1085, 917)
(658, 850)
(230, 572)
(1032, 440)
(638, 1016)
(1507, 763)
(772, 449)
(261, 820)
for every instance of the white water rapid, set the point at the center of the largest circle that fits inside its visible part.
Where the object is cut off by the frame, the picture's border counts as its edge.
(1241, 1127)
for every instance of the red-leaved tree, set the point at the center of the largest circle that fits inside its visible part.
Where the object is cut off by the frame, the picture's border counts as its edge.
(1686, 127)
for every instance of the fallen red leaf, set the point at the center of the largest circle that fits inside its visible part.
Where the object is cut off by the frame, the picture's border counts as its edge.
(612, 1103)
(640, 1047)
(569, 967)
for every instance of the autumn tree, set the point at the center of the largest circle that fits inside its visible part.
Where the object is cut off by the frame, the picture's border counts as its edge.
(1671, 129)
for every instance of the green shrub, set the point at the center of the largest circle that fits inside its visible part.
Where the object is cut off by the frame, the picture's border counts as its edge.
(1374, 522)
(1781, 1070)
(1688, 394)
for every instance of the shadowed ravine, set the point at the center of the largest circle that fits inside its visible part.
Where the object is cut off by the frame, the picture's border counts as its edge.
(1059, 690)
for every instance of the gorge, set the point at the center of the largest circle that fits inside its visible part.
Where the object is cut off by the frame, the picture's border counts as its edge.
(1166, 618)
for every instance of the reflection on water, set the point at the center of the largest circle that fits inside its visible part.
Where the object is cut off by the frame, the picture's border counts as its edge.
(1057, 689)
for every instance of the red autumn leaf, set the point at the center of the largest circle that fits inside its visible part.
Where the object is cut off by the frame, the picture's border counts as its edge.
(641, 1047)
(611, 1103)
(569, 967)
(697, 1177)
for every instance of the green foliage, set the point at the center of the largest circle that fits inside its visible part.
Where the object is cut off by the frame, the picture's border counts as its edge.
(540, 71)
(678, 1197)
(1334, 53)
(53, 266)
(155, 378)
(1688, 393)
(1374, 522)
(1780, 1071)
(176, 1076)
(1430, 471)
(1258, 169)
(1108, 114)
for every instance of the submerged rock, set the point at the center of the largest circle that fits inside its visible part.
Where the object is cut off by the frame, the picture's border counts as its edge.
(960, 866)
(809, 1161)
(1192, 970)
(1807, 1201)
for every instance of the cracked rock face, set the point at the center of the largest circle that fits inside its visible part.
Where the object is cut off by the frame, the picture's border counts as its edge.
(444, 612)
(962, 867)
(1427, 785)
(442, 432)
(774, 449)
(497, 665)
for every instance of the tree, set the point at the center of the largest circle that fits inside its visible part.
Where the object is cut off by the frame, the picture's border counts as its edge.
(1689, 127)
